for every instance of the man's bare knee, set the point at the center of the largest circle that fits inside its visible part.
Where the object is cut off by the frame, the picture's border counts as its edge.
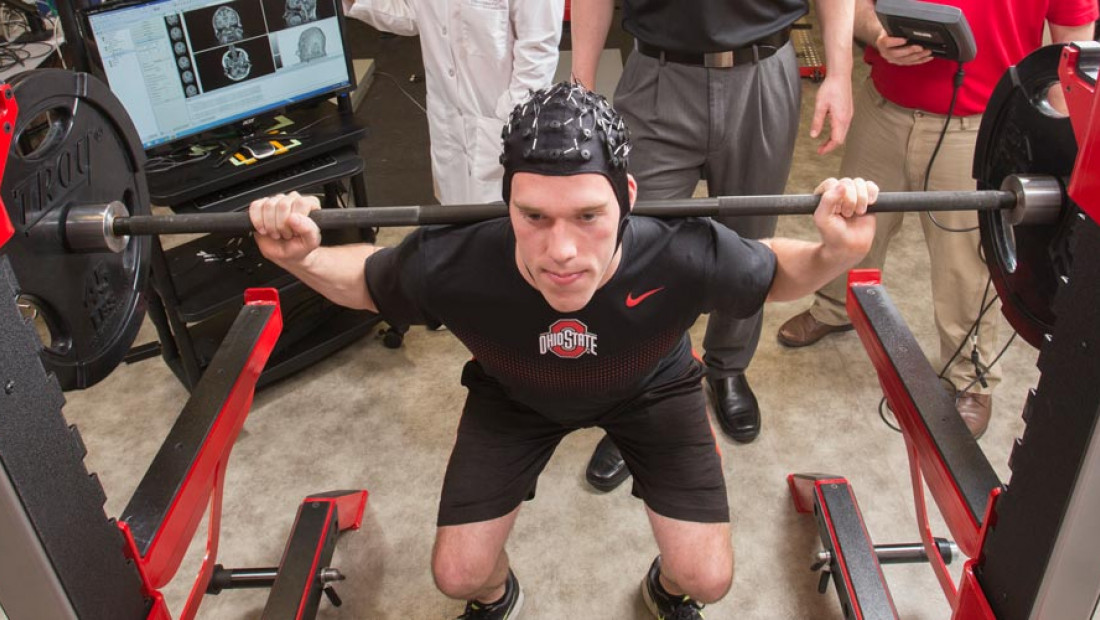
(712, 584)
(460, 576)
(696, 558)
(706, 580)
(467, 558)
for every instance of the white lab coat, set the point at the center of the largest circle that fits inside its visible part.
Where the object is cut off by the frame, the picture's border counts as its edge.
(481, 57)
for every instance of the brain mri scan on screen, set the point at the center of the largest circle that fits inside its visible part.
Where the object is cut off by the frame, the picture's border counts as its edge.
(236, 63)
(311, 44)
(227, 25)
(299, 12)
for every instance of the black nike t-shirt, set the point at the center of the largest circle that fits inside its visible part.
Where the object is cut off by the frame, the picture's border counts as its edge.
(701, 26)
(576, 366)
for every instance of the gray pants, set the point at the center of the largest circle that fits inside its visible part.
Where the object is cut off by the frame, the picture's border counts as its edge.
(733, 127)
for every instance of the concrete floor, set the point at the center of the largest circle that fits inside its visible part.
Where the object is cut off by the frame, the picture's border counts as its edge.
(382, 419)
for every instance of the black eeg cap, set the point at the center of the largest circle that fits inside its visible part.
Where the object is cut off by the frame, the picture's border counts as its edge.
(566, 129)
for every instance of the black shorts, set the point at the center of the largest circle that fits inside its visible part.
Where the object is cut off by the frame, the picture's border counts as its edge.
(664, 436)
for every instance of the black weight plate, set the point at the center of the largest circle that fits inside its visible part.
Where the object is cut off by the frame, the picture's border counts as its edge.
(1020, 134)
(74, 144)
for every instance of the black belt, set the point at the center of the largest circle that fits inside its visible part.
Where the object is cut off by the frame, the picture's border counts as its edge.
(755, 51)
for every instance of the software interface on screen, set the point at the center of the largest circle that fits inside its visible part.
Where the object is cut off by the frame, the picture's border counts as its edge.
(184, 66)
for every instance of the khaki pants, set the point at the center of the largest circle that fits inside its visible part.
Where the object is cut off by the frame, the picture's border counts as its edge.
(891, 146)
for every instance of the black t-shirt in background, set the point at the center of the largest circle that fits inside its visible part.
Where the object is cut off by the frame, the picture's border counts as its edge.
(575, 366)
(701, 26)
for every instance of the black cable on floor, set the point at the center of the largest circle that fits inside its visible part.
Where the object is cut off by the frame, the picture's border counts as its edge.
(402, 89)
(982, 371)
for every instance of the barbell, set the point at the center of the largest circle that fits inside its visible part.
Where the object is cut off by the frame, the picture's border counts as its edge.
(75, 191)
(99, 228)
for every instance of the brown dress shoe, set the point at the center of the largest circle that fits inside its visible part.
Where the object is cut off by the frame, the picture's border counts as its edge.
(975, 410)
(803, 330)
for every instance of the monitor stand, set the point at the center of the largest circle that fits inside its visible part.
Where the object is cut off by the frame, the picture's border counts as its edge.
(195, 295)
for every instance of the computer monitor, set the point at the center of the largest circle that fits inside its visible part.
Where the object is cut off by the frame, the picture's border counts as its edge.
(182, 67)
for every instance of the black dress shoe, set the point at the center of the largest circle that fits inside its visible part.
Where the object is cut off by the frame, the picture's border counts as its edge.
(607, 469)
(735, 407)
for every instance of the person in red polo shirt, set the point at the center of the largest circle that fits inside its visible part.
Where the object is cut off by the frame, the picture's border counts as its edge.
(900, 114)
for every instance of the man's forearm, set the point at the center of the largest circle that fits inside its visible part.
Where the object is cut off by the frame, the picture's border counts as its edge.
(868, 28)
(836, 17)
(1066, 34)
(803, 267)
(337, 273)
(589, 22)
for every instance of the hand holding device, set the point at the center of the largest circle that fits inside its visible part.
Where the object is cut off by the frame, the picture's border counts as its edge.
(940, 29)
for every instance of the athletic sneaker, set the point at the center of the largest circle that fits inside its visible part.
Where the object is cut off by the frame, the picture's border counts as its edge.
(507, 608)
(664, 605)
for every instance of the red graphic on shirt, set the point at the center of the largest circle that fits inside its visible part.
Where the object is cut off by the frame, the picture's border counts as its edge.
(632, 301)
(567, 338)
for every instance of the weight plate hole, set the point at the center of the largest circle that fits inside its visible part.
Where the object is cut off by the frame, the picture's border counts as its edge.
(1006, 239)
(132, 253)
(46, 324)
(1051, 101)
(43, 132)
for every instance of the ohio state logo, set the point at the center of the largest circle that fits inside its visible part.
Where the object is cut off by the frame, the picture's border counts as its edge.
(568, 338)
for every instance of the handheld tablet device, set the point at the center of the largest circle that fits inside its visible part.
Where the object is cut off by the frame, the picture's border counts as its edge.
(937, 27)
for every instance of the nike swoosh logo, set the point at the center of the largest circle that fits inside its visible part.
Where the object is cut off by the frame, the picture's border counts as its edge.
(632, 301)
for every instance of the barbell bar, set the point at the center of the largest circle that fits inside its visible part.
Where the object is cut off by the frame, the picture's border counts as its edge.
(1031, 199)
